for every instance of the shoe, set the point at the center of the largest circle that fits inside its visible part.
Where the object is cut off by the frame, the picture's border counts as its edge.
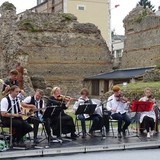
(84, 135)
(152, 133)
(74, 136)
(119, 135)
(148, 135)
(36, 140)
(124, 133)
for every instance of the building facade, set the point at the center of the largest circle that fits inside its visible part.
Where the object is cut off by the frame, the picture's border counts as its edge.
(94, 11)
(48, 6)
(86, 11)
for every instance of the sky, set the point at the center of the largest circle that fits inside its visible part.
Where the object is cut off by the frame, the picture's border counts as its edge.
(117, 14)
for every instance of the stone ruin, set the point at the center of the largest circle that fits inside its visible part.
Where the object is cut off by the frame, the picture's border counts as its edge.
(55, 49)
(142, 42)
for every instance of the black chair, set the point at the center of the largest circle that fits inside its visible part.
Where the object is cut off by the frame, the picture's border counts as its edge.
(77, 121)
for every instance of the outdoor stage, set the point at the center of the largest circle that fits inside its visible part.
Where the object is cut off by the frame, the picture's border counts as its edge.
(95, 144)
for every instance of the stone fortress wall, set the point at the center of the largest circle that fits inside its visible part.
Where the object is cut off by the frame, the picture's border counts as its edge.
(142, 42)
(54, 46)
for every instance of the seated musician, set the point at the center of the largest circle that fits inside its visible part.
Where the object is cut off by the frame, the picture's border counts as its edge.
(35, 104)
(10, 108)
(147, 119)
(117, 104)
(97, 119)
(66, 121)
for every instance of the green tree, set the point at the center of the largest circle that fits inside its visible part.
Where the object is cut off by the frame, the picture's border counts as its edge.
(146, 4)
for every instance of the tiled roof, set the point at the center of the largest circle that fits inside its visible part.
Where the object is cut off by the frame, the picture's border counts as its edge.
(121, 74)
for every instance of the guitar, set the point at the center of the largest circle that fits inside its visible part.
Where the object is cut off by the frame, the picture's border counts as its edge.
(28, 112)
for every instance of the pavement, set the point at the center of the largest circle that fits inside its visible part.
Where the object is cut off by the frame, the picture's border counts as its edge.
(90, 144)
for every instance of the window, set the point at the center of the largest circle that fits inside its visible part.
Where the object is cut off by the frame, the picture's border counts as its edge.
(95, 87)
(118, 53)
(81, 7)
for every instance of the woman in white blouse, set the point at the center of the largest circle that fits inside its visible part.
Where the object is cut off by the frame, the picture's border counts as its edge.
(148, 118)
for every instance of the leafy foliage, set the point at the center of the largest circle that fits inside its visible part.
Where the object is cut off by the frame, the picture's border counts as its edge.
(146, 4)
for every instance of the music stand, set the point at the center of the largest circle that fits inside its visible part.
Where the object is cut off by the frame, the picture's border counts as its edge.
(48, 114)
(86, 109)
(138, 107)
(141, 106)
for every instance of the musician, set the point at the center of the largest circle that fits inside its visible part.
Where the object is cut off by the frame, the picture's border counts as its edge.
(97, 119)
(10, 108)
(12, 80)
(36, 104)
(117, 104)
(66, 121)
(148, 119)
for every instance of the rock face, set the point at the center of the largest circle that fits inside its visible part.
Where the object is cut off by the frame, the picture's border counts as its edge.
(54, 46)
(142, 42)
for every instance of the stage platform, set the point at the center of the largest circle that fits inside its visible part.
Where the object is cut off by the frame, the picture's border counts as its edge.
(89, 144)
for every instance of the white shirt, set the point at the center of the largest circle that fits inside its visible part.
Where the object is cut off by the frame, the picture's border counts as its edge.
(4, 104)
(28, 100)
(150, 114)
(119, 106)
(81, 102)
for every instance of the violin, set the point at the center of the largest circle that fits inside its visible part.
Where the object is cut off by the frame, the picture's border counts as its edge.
(121, 98)
(65, 98)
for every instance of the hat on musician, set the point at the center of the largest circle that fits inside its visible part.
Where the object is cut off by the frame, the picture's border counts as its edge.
(116, 88)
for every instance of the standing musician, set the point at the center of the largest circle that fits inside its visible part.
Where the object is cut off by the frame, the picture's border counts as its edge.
(148, 119)
(117, 104)
(10, 108)
(12, 80)
(36, 105)
(97, 119)
(65, 124)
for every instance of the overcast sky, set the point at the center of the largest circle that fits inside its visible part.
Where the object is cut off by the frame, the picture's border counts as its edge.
(117, 14)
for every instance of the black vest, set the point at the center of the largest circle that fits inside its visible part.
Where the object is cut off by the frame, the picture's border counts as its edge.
(34, 103)
(10, 105)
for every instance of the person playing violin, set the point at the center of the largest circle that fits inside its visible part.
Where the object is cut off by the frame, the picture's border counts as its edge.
(117, 105)
(148, 119)
(66, 121)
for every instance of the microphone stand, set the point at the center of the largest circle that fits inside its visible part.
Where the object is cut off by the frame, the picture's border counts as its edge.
(103, 128)
(11, 138)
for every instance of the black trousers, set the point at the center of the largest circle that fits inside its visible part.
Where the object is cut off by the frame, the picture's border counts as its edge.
(20, 126)
(148, 122)
(35, 121)
(122, 118)
(67, 125)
